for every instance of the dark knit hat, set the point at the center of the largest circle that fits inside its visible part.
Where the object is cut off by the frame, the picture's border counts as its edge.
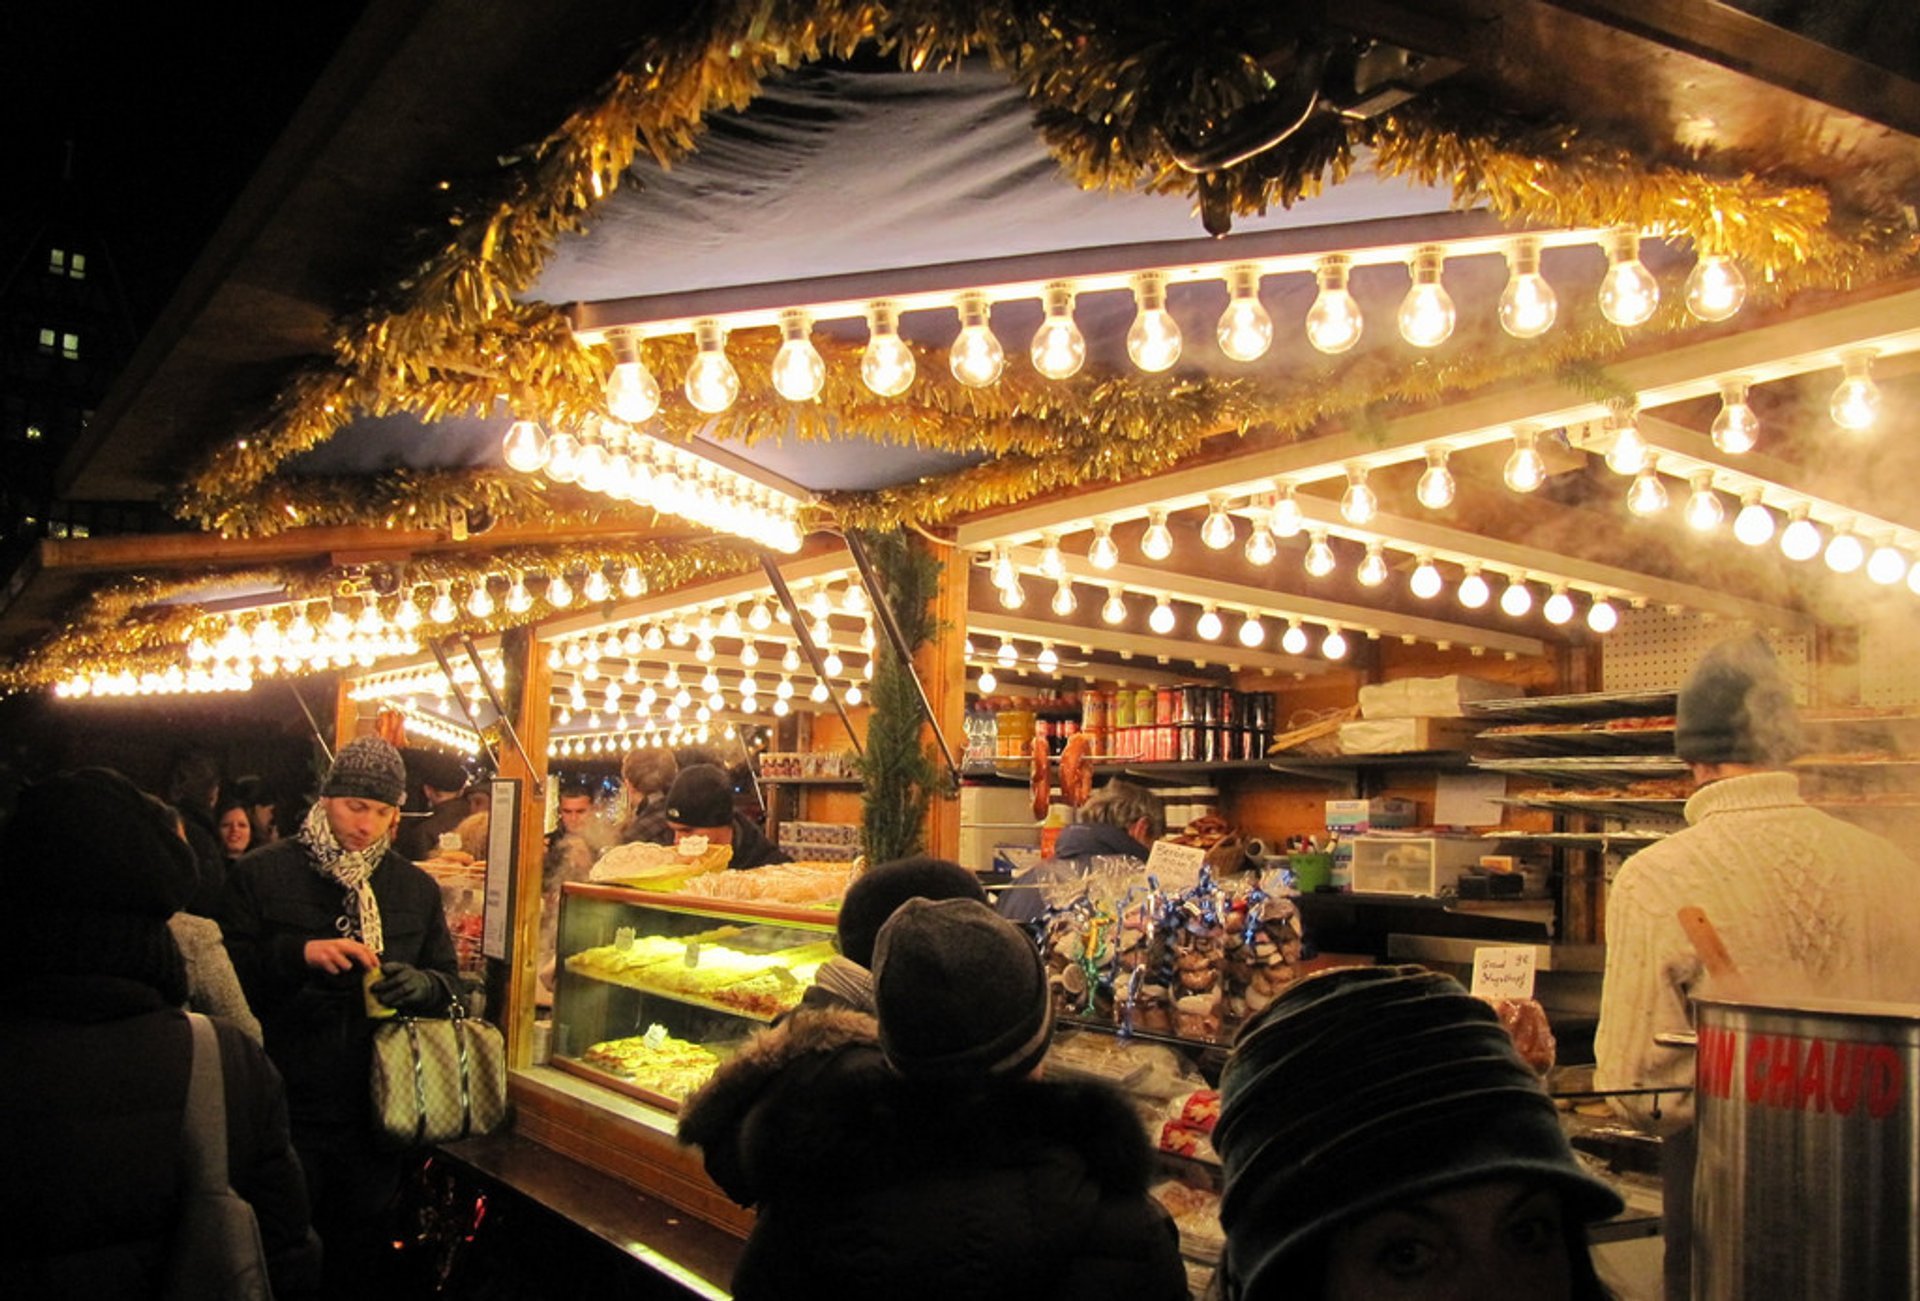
(367, 768)
(959, 991)
(701, 796)
(1736, 707)
(433, 768)
(874, 897)
(1363, 1087)
(92, 841)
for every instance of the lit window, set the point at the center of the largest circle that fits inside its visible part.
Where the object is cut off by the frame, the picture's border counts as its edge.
(81, 531)
(46, 340)
(70, 346)
(33, 433)
(57, 261)
(77, 268)
(56, 530)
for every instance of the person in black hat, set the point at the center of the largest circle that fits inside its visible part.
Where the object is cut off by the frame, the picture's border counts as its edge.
(1383, 1141)
(98, 1055)
(306, 919)
(700, 803)
(940, 1166)
(442, 783)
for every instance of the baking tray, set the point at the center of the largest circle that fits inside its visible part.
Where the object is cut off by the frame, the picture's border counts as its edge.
(1585, 741)
(1665, 810)
(1625, 842)
(1571, 709)
(1607, 770)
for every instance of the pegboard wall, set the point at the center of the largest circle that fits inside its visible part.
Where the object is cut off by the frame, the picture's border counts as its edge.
(1890, 655)
(1654, 650)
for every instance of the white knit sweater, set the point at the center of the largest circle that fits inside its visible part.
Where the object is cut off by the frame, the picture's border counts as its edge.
(1807, 905)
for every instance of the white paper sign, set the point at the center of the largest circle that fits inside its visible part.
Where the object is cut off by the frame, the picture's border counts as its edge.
(503, 826)
(1500, 972)
(1175, 864)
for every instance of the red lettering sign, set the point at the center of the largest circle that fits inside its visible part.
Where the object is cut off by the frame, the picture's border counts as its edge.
(1798, 1074)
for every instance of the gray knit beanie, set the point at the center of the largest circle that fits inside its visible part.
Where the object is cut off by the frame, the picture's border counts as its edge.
(367, 768)
(959, 991)
(1736, 707)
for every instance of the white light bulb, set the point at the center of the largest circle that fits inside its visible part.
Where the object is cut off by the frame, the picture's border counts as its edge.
(1246, 329)
(1114, 609)
(524, 447)
(1474, 592)
(596, 588)
(632, 393)
(712, 383)
(1601, 615)
(1319, 561)
(1426, 581)
(559, 592)
(784, 689)
(887, 366)
(1887, 565)
(759, 618)
(987, 682)
(1156, 543)
(1059, 349)
(1000, 572)
(1800, 539)
(799, 374)
(1334, 646)
(791, 660)
(591, 467)
(1048, 660)
(480, 600)
(1913, 580)
(1648, 495)
(1517, 599)
(1426, 314)
(1051, 564)
(1334, 321)
(1735, 429)
(1704, 511)
(749, 654)
(1436, 488)
(1216, 531)
(1153, 340)
(1628, 452)
(441, 611)
(1754, 524)
(1208, 626)
(1373, 567)
(1008, 655)
(1252, 631)
(1845, 552)
(1063, 603)
(1261, 548)
(1294, 640)
(1525, 469)
(781, 708)
(1359, 503)
(976, 358)
(1161, 620)
(1715, 288)
(1528, 304)
(1856, 401)
(1103, 552)
(1287, 518)
(563, 453)
(819, 693)
(1629, 293)
(633, 583)
(1559, 606)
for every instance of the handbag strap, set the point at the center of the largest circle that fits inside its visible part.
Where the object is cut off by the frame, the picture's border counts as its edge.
(204, 1127)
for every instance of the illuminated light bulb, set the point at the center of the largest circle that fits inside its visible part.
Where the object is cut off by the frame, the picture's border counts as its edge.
(1114, 609)
(822, 630)
(1334, 321)
(1628, 452)
(1856, 400)
(1294, 640)
(1800, 539)
(1913, 580)
(1007, 655)
(976, 358)
(441, 611)
(798, 372)
(819, 693)
(1359, 503)
(781, 709)
(1704, 511)
(1103, 552)
(1287, 518)
(1426, 581)
(1373, 567)
(1051, 565)
(406, 617)
(759, 618)
(648, 697)
(1319, 561)
(1161, 620)
(1528, 304)
(987, 682)
(749, 654)
(632, 393)
(1157, 542)
(592, 468)
(1559, 606)
(1518, 598)
(1736, 429)
(791, 660)
(1845, 552)
(1000, 570)
(1153, 340)
(712, 382)
(480, 600)
(704, 652)
(1252, 631)
(1629, 293)
(784, 689)
(887, 366)
(633, 583)
(1887, 565)
(525, 447)
(852, 694)
(1602, 617)
(1261, 548)
(1334, 645)
(563, 453)
(596, 589)
(1216, 531)
(559, 592)
(1059, 349)
(1525, 469)
(1754, 524)
(1063, 602)
(1648, 495)
(1715, 288)
(1208, 626)
(1436, 488)
(1245, 330)
(1426, 314)
(1047, 661)
(653, 638)
(1013, 596)
(714, 704)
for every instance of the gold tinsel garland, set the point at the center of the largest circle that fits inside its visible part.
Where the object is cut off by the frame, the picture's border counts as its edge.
(1110, 82)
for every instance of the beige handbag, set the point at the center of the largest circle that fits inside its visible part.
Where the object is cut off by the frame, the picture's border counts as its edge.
(436, 1080)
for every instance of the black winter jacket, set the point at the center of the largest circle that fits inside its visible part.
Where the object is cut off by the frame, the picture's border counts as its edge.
(867, 1184)
(316, 1025)
(92, 1100)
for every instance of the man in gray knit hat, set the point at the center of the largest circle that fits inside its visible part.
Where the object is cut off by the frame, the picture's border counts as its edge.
(306, 919)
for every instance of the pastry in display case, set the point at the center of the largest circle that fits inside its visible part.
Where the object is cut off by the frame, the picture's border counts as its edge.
(656, 990)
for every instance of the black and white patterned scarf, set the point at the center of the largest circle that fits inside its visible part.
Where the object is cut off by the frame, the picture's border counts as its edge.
(360, 912)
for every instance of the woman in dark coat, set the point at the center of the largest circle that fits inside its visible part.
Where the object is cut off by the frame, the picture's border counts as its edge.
(98, 1053)
(918, 1154)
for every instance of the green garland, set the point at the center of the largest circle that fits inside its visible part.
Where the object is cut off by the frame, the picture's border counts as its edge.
(899, 773)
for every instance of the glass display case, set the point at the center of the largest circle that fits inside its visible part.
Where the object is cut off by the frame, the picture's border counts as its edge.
(655, 990)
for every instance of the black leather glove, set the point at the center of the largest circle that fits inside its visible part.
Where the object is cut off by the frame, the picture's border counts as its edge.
(407, 989)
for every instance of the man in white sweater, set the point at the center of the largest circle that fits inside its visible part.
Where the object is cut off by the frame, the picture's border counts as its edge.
(1806, 904)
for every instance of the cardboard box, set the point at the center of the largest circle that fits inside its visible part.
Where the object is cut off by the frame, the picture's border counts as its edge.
(1401, 735)
(1430, 697)
(1368, 815)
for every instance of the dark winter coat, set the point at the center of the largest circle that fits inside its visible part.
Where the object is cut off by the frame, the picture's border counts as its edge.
(420, 837)
(867, 1184)
(92, 1100)
(316, 1025)
(751, 848)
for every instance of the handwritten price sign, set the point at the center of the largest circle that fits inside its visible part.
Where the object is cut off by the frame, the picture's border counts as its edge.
(1503, 972)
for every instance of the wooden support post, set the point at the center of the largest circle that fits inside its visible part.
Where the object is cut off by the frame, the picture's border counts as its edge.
(529, 684)
(346, 714)
(942, 667)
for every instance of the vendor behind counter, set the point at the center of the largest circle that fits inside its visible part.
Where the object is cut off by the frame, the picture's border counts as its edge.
(700, 803)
